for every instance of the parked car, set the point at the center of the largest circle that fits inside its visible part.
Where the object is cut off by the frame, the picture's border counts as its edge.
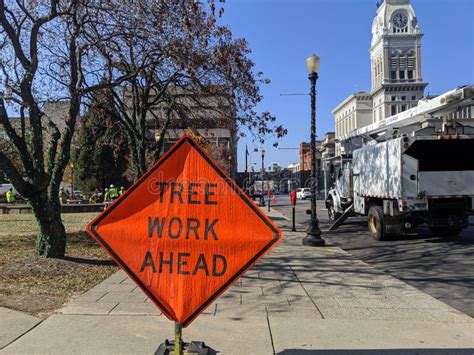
(303, 194)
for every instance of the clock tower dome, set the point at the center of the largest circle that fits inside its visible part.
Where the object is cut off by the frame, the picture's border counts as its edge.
(395, 56)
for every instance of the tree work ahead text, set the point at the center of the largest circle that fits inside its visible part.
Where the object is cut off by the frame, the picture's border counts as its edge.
(190, 228)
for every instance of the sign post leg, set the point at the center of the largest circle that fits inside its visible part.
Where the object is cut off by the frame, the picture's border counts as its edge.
(178, 340)
(268, 204)
(293, 228)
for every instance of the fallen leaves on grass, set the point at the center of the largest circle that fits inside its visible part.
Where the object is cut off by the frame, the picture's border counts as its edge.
(38, 285)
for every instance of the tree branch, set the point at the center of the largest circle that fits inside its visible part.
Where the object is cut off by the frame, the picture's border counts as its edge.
(15, 138)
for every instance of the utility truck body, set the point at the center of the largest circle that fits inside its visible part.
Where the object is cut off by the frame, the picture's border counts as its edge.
(402, 176)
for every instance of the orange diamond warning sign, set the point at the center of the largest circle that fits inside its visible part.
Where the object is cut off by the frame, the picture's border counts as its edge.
(184, 232)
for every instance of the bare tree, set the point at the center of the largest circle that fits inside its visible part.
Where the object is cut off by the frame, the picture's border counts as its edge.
(45, 56)
(63, 51)
(184, 60)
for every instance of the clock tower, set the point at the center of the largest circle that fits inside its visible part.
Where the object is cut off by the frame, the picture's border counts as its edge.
(395, 56)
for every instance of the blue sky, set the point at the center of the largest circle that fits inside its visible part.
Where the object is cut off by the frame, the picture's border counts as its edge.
(283, 33)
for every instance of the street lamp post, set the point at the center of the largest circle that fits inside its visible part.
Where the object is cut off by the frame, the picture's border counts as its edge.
(313, 233)
(251, 182)
(231, 171)
(72, 179)
(262, 198)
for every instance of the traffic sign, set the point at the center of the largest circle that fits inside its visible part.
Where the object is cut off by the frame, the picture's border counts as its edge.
(184, 232)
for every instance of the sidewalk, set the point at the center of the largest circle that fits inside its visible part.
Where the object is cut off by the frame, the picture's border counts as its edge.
(296, 300)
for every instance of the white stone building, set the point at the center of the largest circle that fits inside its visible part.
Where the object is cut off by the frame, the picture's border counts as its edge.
(395, 56)
(294, 167)
(396, 77)
(353, 112)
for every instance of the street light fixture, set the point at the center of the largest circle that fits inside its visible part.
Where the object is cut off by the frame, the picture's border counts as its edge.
(251, 180)
(313, 233)
(262, 199)
(71, 164)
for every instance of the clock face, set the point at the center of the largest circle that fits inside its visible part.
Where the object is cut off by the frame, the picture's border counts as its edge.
(400, 20)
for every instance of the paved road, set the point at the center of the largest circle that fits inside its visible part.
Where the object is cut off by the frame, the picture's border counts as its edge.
(443, 269)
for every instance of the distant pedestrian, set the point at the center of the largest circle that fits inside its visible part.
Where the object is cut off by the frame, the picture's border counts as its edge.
(11, 198)
(122, 190)
(94, 197)
(106, 198)
(106, 195)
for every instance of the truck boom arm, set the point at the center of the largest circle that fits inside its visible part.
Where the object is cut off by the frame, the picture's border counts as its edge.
(425, 109)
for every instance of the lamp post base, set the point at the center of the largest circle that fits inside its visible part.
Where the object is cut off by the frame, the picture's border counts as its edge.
(313, 235)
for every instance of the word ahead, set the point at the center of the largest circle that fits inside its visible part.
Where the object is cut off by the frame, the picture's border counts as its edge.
(184, 232)
(181, 264)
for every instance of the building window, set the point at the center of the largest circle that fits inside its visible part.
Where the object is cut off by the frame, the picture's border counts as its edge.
(394, 110)
(401, 74)
(410, 74)
(381, 62)
(413, 97)
(404, 98)
(404, 107)
(402, 63)
(394, 98)
(393, 75)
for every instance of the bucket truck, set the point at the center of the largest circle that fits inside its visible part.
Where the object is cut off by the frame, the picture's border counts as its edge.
(414, 168)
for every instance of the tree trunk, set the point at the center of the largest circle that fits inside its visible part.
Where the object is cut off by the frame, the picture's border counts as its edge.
(138, 152)
(161, 141)
(51, 238)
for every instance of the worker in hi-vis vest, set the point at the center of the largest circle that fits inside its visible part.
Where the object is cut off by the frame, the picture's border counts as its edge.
(113, 191)
(106, 195)
(11, 198)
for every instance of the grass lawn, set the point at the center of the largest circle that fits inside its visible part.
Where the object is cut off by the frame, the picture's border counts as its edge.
(39, 286)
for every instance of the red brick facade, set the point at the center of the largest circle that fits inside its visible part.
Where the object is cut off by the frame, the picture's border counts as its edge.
(305, 156)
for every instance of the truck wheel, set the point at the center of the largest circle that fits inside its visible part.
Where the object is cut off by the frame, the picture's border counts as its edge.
(375, 222)
(446, 232)
(332, 214)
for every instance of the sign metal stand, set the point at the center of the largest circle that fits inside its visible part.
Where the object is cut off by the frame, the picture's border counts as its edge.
(178, 339)
(179, 347)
